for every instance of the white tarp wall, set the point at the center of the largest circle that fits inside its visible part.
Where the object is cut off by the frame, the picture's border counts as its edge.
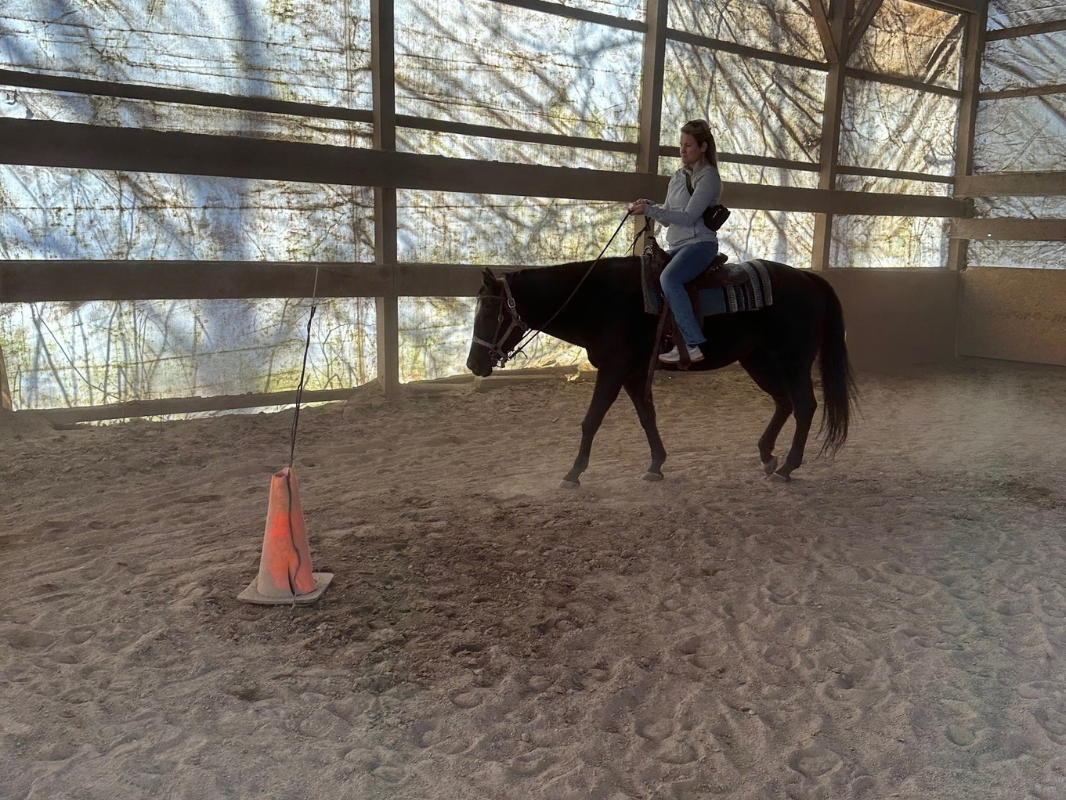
(473, 63)
(1021, 126)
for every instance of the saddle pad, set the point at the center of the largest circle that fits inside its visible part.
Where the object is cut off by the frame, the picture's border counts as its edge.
(743, 286)
(751, 294)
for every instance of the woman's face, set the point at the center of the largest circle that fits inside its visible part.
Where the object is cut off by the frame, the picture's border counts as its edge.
(691, 152)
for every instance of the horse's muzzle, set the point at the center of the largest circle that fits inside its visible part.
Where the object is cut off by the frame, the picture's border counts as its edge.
(481, 370)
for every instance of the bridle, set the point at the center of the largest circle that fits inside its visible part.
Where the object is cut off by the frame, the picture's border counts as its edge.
(506, 300)
(499, 356)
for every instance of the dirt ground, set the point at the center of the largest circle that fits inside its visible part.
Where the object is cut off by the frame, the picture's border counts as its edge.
(891, 624)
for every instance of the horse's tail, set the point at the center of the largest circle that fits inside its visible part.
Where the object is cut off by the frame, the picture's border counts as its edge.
(838, 383)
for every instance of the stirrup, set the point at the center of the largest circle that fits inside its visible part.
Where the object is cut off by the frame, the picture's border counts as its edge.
(673, 356)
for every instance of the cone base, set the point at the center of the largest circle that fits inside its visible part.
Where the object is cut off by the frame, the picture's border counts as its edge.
(251, 594)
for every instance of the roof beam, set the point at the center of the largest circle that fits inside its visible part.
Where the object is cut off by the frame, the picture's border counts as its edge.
(825, 31)
(559, 10)
(695, 40)
(858, 28)
(955, 6)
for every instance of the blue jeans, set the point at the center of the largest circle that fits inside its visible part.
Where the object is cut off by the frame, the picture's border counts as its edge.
(687, 262)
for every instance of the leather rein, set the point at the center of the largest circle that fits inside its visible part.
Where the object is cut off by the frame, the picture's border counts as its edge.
(506, 300)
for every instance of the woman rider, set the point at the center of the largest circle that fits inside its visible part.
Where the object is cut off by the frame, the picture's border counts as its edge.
(691, 243)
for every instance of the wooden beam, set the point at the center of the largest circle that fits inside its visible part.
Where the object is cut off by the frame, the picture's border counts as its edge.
(955, 6)
(62, 417)
(825, 31)
(823, 201)
(1011, 184)
(383, 69)
(91, 147)
(1010, 229)
(1036, 29)
(757, 161)
(1031, 91)
(559, 10)
(82, 281)
(512, 135)
(832, 112)
(158, 94)
(973, 46)
(67, 417)
(719, 45)
(88, 280)
(906, 83)
(55, 144)
(897, 174)
(862, 22)
(651, 103)
(651, 88)
(77, 280)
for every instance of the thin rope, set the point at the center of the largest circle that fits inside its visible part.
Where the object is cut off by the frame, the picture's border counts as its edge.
(303, 371)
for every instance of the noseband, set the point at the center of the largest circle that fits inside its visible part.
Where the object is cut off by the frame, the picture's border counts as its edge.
(496, 352)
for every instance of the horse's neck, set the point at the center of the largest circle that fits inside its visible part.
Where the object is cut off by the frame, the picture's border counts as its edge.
(541, 293)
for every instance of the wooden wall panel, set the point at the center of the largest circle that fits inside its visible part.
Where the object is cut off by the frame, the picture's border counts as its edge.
(1014, 314)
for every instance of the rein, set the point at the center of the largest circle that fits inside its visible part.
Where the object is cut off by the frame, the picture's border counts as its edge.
(496, 353)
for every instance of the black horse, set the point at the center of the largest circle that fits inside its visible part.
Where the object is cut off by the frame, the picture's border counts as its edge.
(603, 312)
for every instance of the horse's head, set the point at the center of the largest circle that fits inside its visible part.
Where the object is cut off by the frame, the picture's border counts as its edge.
(497, 326)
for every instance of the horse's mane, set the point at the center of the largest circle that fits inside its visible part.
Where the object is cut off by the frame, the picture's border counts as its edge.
(573, 271)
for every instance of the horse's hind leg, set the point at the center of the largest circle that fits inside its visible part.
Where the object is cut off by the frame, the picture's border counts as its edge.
(608, 385)
(636, 387)
(772, 382)
(801, 389)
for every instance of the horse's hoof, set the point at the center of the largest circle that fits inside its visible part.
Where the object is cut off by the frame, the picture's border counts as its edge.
(652, 476)
(569, 484)
(781, 477)
(769, 467)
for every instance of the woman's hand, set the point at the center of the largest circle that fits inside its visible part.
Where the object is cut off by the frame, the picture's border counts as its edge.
(636, 208)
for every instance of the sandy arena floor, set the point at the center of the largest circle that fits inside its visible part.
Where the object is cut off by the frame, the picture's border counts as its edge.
(892, 624)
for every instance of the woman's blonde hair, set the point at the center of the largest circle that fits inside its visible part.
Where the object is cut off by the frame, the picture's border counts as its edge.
(699, 130)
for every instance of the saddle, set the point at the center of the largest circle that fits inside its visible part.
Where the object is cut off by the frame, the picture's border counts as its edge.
(740, 287)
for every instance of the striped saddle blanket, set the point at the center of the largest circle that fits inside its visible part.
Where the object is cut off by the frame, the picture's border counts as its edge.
(728, 289)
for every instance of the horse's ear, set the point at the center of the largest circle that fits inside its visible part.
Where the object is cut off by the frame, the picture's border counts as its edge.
(489, 278)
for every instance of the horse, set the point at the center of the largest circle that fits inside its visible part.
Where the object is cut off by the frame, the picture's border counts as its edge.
(599, 306)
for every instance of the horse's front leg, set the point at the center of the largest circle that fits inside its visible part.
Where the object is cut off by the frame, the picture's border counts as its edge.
(638, 391)
(608, 385)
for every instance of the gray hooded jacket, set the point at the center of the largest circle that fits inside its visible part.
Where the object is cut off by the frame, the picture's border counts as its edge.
(683, 212)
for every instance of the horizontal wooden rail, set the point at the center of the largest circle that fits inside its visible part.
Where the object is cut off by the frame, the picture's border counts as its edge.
(1035, 29)
(1010, 229)
(1011, 184)
(160, 94)
(165, 406)
(1029, 91)
(54, 144)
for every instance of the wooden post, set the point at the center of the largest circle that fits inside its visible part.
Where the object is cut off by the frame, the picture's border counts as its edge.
(383, 67)
(651, 95)
(973, 49)
(836, 36)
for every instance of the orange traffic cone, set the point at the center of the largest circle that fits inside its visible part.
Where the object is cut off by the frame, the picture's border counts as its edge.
(285, 575)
